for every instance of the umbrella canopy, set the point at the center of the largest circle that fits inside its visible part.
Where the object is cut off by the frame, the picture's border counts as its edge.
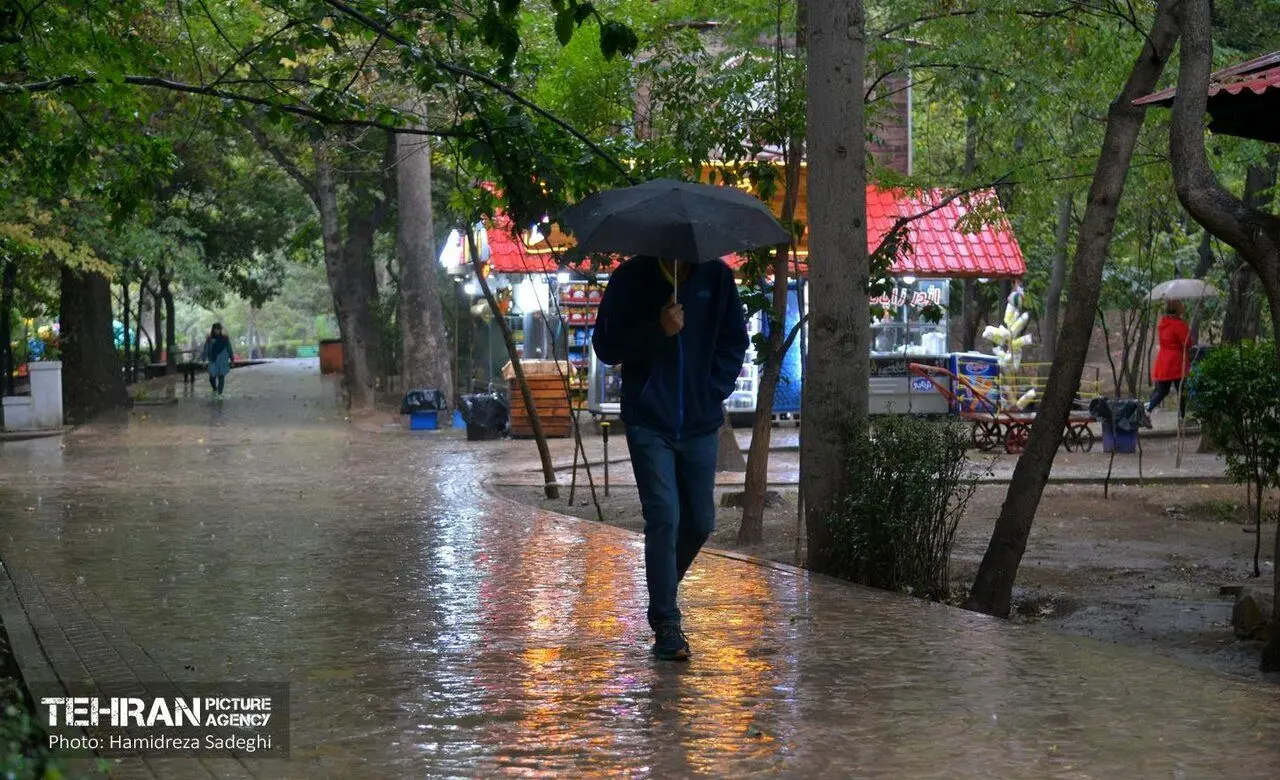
(676, 220)
(1183, 290)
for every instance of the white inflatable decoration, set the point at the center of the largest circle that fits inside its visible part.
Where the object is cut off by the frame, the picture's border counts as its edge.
(1008, 341)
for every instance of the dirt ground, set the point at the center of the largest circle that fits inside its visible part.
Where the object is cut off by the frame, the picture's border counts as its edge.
(1141, 568)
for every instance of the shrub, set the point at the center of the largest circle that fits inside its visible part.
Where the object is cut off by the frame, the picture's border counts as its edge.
(1234, 393)
(908, 485)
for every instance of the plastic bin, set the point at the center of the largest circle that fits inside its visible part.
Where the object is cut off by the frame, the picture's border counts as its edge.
(1118, 441)
(424, 421)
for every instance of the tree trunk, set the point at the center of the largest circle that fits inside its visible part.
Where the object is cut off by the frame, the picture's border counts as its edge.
(425, 356)
(836, 385)
(1057, 278)
(6, 321)
(993, 587)
(551, 488)
(142, 312)
(1252, 233)
(351, 281)
(170, 327)
(125, 305)
(756, 487)
(1244, 308)
(729, 454)
(91, 378)
(157, 331)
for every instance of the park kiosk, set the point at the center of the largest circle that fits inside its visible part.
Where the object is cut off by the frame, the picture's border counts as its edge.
(551, 309)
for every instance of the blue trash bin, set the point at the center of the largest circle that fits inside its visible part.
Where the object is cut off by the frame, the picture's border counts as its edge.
(424, 421)
(1118, 441)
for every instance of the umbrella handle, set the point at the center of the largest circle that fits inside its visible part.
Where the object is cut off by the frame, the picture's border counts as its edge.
(675, 281)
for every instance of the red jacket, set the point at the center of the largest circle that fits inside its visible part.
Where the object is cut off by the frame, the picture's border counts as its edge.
(1171, 358)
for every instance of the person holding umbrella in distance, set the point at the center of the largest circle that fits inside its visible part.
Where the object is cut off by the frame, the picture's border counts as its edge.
(672, 318)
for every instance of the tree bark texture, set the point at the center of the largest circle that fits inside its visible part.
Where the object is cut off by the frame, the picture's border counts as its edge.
(1252, 233)
(351, 280)
(425, 359)
(91, 377)
(993, 587)
(837, 380)
(1057, 278)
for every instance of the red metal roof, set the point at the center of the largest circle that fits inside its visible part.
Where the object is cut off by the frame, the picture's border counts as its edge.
(939, 247)
(938, 244)
(1256, 75)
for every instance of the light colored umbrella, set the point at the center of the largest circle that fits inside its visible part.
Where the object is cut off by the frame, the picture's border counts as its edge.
(1183, 290)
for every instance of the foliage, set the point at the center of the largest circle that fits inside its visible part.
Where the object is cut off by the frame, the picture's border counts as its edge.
(896, 526)
(1234, 392)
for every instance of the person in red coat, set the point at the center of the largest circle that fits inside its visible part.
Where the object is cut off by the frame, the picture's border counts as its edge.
(1172, 361)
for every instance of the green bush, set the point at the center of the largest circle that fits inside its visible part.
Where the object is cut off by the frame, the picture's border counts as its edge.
(1234, 393)
(908, 484)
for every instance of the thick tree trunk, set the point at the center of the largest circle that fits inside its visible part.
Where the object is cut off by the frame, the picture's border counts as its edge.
(425, 357)
(993, 587)
(91, 379)
(6, 321)
(1252, 233)
(1057, 278)
(836, 385)
(351, 281)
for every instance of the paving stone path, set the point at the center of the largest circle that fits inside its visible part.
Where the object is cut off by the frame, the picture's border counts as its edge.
(429, 629)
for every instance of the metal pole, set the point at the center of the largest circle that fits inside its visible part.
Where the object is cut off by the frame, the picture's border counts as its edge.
(604, 431)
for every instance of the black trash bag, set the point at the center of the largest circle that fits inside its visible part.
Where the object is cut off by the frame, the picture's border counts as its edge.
(425, 400)
(484, 410)
(1123, 416)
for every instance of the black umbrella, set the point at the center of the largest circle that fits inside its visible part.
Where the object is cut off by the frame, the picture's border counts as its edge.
(672, 219)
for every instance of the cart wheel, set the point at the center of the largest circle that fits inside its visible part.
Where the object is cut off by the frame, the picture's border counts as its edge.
(1087, 438)
(1015, 440)
(1071, 439)
(985, 435)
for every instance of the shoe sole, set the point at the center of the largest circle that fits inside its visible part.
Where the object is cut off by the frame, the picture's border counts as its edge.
(677, 657)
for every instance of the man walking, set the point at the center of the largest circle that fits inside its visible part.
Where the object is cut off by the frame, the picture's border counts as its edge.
(679, 333)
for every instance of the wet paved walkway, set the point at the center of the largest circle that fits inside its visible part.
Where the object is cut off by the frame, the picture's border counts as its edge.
(430, 629)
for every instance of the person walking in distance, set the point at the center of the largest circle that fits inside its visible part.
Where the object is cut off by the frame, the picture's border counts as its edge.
(1171, 364)
(217, 354)
(679, 332)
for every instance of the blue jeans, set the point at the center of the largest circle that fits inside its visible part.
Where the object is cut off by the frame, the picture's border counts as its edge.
(677, 481)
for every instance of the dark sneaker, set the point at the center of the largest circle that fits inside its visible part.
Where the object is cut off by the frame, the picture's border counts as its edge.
(670, 644)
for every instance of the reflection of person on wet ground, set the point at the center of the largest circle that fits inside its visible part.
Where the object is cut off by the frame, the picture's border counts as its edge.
(217, 354)
(681, 353)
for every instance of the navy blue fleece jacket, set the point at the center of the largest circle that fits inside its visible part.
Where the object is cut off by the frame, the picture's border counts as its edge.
(676, 385)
